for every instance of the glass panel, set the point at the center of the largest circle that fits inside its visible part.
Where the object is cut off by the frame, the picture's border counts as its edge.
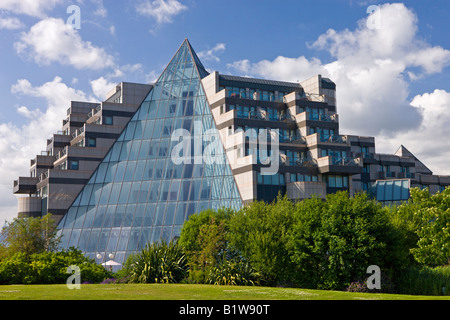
(134, 239)
(123, 240)
(134, 153)
(93, 240)
(149, 214)
(148, 131)
(109, 216)
(139, 215)
(90, 215)
(84, 239)
(114, 237)
(81, 213)
(86, 195)
(74, 237)
(129, 214)
(118, 216)
(124, 192)
(181, 210)
(160, 210)
(144, 237)
(170, 213)
(100, 215)
(103, 240)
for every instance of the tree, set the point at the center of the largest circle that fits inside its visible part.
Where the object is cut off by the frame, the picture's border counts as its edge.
(433, 229)
(332, 243)
(258, 232)
(31, 235)
(203, 238)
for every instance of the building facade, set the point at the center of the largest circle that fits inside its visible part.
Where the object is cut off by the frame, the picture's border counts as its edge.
(132, 169)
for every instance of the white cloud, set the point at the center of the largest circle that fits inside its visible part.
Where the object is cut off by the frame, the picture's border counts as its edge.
(161, 10)
(51, 40)
(101, 87)
(211, 54)
(34, 8)
(104, 84)
(372, 69)
(19, 144)
(10, 23)
(429, 142)
(101, 10)
(30, 114)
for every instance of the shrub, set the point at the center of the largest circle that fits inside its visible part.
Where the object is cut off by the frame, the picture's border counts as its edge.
(48, 268)
(203, 238)
(357, 286)
(333, 242)
(157, 263)
(425, 281)
(258, 233)
(233, 272)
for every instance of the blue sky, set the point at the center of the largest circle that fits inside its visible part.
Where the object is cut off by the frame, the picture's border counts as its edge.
(392, 78)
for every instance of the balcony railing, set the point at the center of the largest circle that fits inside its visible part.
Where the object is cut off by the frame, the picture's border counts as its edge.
(62, 153)
(306, 162)
(323, 117)
(261, 116)
(94, 111)
(333, 139)
(340, 161)
(78, 132)
(294, 139)
(44, 175)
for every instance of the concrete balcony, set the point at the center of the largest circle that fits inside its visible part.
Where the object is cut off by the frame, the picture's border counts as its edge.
(304, 117)
(43, 161)
(306, 189)
(339, 165)
(315, 139)
(25, 185)
(29, 206)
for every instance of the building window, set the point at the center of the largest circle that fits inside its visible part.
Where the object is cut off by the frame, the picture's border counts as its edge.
(73, 165)
(91, 142)
(44, 192)
(336, 181)
(108, 120)
(364, 150)
(366, 168)
(274, 179)
(303, 177)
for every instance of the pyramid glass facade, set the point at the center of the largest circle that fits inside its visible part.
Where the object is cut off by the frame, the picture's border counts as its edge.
(139, 194)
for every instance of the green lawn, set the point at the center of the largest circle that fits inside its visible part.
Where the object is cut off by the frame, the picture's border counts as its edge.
(185, 292)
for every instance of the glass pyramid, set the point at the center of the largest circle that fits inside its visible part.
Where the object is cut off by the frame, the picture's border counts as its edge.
(138, 194)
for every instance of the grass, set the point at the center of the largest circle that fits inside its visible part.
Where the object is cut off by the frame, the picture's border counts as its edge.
(187, 292)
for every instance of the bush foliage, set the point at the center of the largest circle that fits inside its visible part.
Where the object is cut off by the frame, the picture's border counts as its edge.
(322, 244)
(159, 262)
(49, 268)
(313, 243)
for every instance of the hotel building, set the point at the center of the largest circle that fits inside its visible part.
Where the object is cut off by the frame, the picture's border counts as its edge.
(117, 176)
